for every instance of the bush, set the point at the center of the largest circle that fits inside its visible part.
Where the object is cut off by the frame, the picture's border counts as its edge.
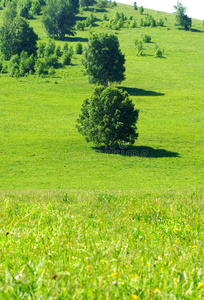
(108, 117)
(160, 22)
(79, 48)
(146, 38)
(66, 58)
(51, 71)
(40, 67)
(158, 52)
(139, 47)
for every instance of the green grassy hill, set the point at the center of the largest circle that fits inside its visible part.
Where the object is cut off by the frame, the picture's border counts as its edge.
(41, 148)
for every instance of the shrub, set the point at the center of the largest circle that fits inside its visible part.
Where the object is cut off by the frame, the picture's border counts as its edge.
(51, 71)
(66, 58)
(146, 38)
(160, 22)
(79, 48)
(139, 47)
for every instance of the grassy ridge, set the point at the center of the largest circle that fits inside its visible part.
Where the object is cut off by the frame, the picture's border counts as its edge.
(101, 246)
(41, 148)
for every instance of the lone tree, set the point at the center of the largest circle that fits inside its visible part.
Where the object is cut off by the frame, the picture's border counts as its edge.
(16, 36)
(108, 117)
(141, 10)
(103, 60)
(59, 18)
(181, 18)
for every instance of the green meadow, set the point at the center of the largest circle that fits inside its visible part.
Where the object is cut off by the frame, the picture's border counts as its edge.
(41, 148)
(78, 222)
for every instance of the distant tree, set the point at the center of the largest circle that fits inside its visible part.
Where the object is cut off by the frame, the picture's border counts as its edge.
(79, 48)
(59, 18)
(141, 10)
(139, 47)
(16, 36)
(181, 18)
(86, 3)
(135, 5)
(108, 117)
(35, 8)
(103, 59)
(146, 38)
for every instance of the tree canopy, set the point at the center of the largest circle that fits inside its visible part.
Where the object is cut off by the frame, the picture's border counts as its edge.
(59, 18)
(181, 18)
(16, 36)
(103, 59)
(108, 117)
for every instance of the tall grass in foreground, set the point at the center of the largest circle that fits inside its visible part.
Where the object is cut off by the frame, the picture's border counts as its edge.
(101, 246)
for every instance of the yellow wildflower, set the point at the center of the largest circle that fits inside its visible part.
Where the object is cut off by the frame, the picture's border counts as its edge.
(157, 290)
(171, 262)
(162, 269)
(149, 264)
(136, 277)
(135, 297)
(114, 274)
(127, 266)
(88, 267)
(175, 280)
(201, 284)
(195, 246)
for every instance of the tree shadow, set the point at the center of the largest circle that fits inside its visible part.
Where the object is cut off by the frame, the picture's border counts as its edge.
(140, 92)
(138, 151)
(80, 18)
(191, 29)
(101, 10)
(196, 30)
(75, 39)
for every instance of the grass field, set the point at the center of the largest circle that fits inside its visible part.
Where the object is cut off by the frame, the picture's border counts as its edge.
(82, 223)
(101, 246)
(41, 148)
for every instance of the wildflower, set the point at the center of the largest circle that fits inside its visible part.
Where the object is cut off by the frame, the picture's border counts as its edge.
(136, 277)
(149, 264)
(157, 290)
(201, 284)
(102, 260)
(175, 280)
(88, 267)
(162, 269)
(135, 297)
(114, 274)
(171, 262)
(127, 266)
(195, 246)
(203, 276)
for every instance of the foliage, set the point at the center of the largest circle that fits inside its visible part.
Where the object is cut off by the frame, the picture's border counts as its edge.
(79, 48)
(135, 6)
(103, 59)
(16, 36)
(158, 52)
(181, 18)
(35, 8)
(139, 47)
(146, 38)
(22, 64)
(108, 117)
(160, 22)
(141, 10)
(149, 21)
(86, 3)
(59, 18)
